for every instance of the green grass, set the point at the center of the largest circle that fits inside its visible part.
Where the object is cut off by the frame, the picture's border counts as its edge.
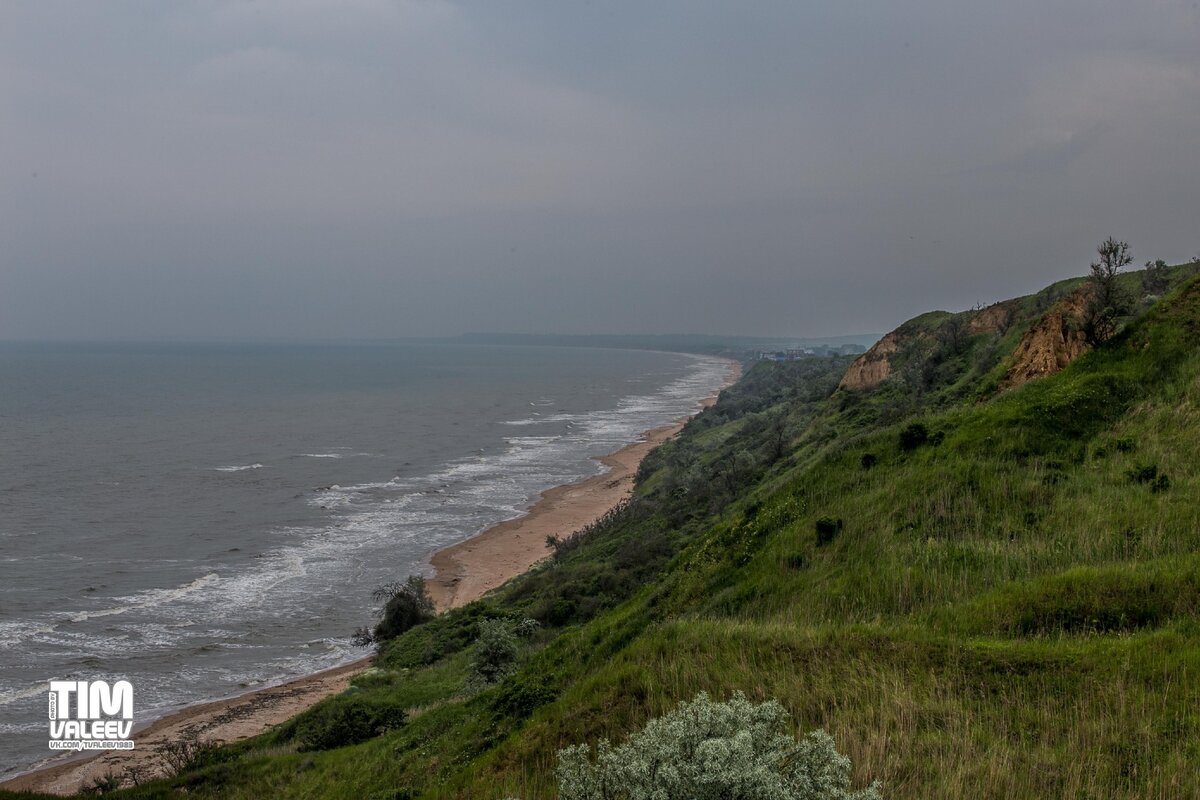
(1005, 611)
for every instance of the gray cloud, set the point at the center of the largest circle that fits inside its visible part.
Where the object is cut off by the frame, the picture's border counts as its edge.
(310, 168)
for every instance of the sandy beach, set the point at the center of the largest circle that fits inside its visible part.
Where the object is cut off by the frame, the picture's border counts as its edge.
(462, 573)
(470, 569)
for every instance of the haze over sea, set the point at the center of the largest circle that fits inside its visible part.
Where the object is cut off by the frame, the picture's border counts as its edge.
(204, 519)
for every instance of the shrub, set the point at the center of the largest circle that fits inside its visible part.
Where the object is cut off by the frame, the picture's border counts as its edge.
(346, 719)
(557, 612)
(1149, 474)
(406, 605)
(523, 695)
(180, 755)
(827, 529)
(623, 513)
(438, 638)
(914, 436)
(868, 460)
(102, 784)
(137, 774)
(1156, 278)
(711, 751)
(497, 648)
(1143, 473)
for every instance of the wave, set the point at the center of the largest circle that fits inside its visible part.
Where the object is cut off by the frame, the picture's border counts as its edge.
(147, 599)
(15, 632)
(238, 468)
(333, 455)
(14, 695)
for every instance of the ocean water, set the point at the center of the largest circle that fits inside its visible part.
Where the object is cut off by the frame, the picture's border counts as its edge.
(203, 520)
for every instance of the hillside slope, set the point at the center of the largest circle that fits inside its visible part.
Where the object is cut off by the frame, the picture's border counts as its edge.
(980, 591)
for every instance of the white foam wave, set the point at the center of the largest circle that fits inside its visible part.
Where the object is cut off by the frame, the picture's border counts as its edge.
(247, 589)
(14, 695)
(15, 632)
(237, 468)
(150, 598)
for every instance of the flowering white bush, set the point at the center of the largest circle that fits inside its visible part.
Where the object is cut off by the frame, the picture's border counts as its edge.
(712, 751)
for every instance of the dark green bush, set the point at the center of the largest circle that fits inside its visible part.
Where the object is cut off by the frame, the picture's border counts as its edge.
(406, 605)
(1149, 474)
(827, 529)
(344, 720)
(521, 695)
(442, 635)
(868, 460)
(1143, 473)
(914, 436)
(556, 612)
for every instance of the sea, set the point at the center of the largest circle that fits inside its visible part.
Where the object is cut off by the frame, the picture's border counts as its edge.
(203, 520)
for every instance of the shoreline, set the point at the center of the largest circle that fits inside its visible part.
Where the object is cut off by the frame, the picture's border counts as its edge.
(468, 570)
(463, 572)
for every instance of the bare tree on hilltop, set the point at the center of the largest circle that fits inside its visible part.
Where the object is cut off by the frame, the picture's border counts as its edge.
(1108, 301)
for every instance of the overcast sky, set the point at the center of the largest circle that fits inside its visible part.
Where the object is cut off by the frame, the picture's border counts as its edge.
(366, 168)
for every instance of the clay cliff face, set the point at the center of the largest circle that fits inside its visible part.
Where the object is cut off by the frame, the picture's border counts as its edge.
(872, 367)
(1051, 343)
(994, 319)
(875, 366)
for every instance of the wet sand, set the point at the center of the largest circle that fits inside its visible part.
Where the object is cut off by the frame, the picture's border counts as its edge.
(462, 573)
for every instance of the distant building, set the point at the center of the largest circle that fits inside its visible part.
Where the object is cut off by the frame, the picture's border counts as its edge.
(819, 351)
(793, 354)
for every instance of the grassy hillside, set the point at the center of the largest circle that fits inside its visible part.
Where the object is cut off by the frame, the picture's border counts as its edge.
(979, 592)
